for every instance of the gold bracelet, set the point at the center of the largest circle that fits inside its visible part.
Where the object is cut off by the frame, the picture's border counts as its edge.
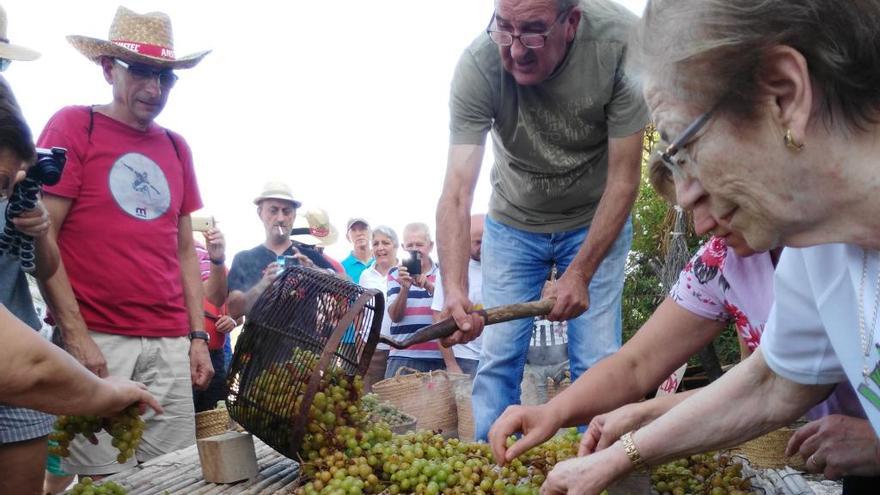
(635, 457)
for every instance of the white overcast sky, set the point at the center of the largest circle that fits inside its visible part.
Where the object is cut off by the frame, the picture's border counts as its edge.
(344, 100)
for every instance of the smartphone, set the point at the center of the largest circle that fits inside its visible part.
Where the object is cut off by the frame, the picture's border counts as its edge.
(413, 264)
(202, 224)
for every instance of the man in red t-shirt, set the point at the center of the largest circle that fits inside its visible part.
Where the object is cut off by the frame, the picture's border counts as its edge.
(121, 214)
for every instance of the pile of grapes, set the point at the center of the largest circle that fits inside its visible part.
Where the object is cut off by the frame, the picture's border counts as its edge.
(87, 487)
(383, 411)
(703, 474)
(426, 463)
(126, 430)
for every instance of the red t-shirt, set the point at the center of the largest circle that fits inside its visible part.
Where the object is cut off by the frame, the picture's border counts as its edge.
(119, 239)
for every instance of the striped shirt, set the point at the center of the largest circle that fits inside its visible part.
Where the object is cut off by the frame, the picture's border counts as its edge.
(416, 315)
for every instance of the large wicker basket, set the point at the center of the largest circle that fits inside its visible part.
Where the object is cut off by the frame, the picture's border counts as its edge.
(428, 397)
(304, 325)
(768, 451)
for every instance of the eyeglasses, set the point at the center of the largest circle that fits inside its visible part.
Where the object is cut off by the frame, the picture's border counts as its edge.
(4, 64)
(166, 77)
(528, 40)
(668, 155)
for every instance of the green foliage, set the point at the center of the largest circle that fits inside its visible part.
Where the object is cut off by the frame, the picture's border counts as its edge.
(643, 291)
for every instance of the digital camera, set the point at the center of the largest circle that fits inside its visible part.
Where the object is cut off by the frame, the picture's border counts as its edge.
(49, 165)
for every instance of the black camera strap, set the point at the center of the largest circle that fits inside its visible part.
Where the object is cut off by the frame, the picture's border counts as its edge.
(92, 127)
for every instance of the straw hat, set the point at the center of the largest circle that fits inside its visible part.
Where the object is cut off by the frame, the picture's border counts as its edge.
(140, 38)
(10, 51)
(277, 190)
(314, 228)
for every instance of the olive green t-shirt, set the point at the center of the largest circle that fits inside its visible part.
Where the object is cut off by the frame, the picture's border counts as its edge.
(551, 139)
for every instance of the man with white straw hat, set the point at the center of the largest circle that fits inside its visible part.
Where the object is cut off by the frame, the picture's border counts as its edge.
(254, 270)
(121, 214)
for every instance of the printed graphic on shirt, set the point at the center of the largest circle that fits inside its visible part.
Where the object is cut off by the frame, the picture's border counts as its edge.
(865, 388)
(139, 186)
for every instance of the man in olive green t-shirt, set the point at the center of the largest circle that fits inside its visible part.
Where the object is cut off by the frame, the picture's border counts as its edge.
(547, 81)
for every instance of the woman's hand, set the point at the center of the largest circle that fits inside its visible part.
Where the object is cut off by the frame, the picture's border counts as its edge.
(587, 475)
(606, 428)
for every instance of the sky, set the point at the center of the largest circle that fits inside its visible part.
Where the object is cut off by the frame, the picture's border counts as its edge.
(346, 101)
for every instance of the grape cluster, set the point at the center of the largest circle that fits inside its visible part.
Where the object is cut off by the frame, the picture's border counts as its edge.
(126, 429)
(87, 487)
(703, 474)
(383, 411)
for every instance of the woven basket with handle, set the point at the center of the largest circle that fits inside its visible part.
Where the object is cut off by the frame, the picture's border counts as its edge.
(429, 397)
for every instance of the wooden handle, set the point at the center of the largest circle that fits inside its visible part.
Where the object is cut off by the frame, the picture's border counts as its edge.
(491, 316)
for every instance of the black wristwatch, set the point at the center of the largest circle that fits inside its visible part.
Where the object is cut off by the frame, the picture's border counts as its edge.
(200, 335)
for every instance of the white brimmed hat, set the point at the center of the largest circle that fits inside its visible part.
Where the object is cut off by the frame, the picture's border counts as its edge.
(317, 231)
(277, 190)
(139, 38)
(10, 51)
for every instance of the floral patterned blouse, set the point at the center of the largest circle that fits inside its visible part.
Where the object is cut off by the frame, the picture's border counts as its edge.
(719, 285)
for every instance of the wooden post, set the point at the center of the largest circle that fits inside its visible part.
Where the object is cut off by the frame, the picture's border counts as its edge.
(228, 457)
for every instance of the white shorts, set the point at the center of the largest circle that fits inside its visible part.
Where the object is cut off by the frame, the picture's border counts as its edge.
(162, 364)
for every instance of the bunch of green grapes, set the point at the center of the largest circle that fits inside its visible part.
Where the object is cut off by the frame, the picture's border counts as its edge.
(336, 419)
(702, 474)
(126, 429)
(87, 487)
(383, 411)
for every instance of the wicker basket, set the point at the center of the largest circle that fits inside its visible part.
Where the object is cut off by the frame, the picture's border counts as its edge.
(463, 393)
(768, 451)
(212, 422)
(428, 397)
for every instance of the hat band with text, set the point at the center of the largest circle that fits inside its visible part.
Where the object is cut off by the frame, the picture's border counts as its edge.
(320, 231)
(147, 49)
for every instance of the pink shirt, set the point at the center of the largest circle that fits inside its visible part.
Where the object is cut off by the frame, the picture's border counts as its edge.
(719, 285)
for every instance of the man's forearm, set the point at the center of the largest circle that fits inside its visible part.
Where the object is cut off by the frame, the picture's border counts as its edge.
(47, 258)
(398, 306)
(453, 216)
(62, 304)
(612, 213)
(705, 421)
(193, 292)
(240, 303)
(215, 286)
(453, 234)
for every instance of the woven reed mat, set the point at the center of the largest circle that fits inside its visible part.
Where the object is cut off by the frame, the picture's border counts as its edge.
(179, 473)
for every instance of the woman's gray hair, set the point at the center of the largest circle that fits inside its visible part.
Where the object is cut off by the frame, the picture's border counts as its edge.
(387, 232)
(710, 51)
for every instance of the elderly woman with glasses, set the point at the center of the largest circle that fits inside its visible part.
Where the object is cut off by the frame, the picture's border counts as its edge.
(773, 110)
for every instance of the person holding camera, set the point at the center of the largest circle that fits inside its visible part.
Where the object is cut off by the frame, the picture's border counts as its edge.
(254, 270)
(38, 377)
(121, 214)
(218, 323)
(409, 297)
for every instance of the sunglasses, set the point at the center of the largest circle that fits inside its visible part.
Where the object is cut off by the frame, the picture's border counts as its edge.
(167, 77)
(4, 64)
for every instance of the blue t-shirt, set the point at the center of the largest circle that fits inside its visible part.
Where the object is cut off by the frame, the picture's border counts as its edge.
(14, 291)
(354, 267)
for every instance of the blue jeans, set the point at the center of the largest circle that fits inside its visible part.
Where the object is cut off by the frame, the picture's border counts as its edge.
(515, 265)
(418, 364)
